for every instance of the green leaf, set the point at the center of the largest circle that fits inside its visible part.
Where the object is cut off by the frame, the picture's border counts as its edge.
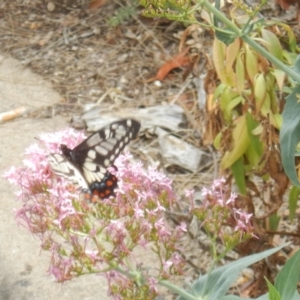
(255, 149)
(280, 77)
(241, 141)
(227, 37)
(260, 90)
(274, 221)
(238, 173)
(233, 103)
(273, 293)
(215, 285)
(293, 198)
(292, 41)
(297, 65)
(219, 91)
(217, 141)
(273, 45)
(240, 72)
(228, 101)
(251, 64)
(286, 280)
(290, 134)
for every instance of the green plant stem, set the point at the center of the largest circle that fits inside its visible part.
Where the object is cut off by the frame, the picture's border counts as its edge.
(220, 16)
(179, 291)
(174, 288)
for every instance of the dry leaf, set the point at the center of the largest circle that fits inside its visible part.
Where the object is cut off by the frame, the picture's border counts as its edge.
(94, 4)
(186, 33)
(177, 61)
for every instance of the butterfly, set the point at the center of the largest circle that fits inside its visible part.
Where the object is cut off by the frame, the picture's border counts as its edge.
(86, 164)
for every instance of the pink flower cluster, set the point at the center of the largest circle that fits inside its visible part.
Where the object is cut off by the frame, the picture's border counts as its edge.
(221, 217)
(102, 237)
(98, 238)
(42, 193)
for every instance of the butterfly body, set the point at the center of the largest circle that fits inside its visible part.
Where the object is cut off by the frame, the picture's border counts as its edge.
(87, 163)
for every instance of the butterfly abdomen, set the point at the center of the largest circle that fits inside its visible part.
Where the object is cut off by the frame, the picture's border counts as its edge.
(105, 188)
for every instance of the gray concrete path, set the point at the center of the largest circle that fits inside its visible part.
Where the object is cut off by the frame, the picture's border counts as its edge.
(23, 267)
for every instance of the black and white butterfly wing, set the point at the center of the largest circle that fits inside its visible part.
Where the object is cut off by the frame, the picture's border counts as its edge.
(94, 155)
(64, 168)
(87, 163)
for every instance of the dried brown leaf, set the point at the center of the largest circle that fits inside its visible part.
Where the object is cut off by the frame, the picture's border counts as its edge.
(94, 4)
(177, 61)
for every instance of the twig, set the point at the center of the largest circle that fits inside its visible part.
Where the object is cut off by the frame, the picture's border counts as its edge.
(12, 114)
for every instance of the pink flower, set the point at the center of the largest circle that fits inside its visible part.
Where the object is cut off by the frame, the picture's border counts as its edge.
(166, 266)
(163, 232)
(153, 282)
(60, 267)
(243, 220)
(116, 231)
(182, 227)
